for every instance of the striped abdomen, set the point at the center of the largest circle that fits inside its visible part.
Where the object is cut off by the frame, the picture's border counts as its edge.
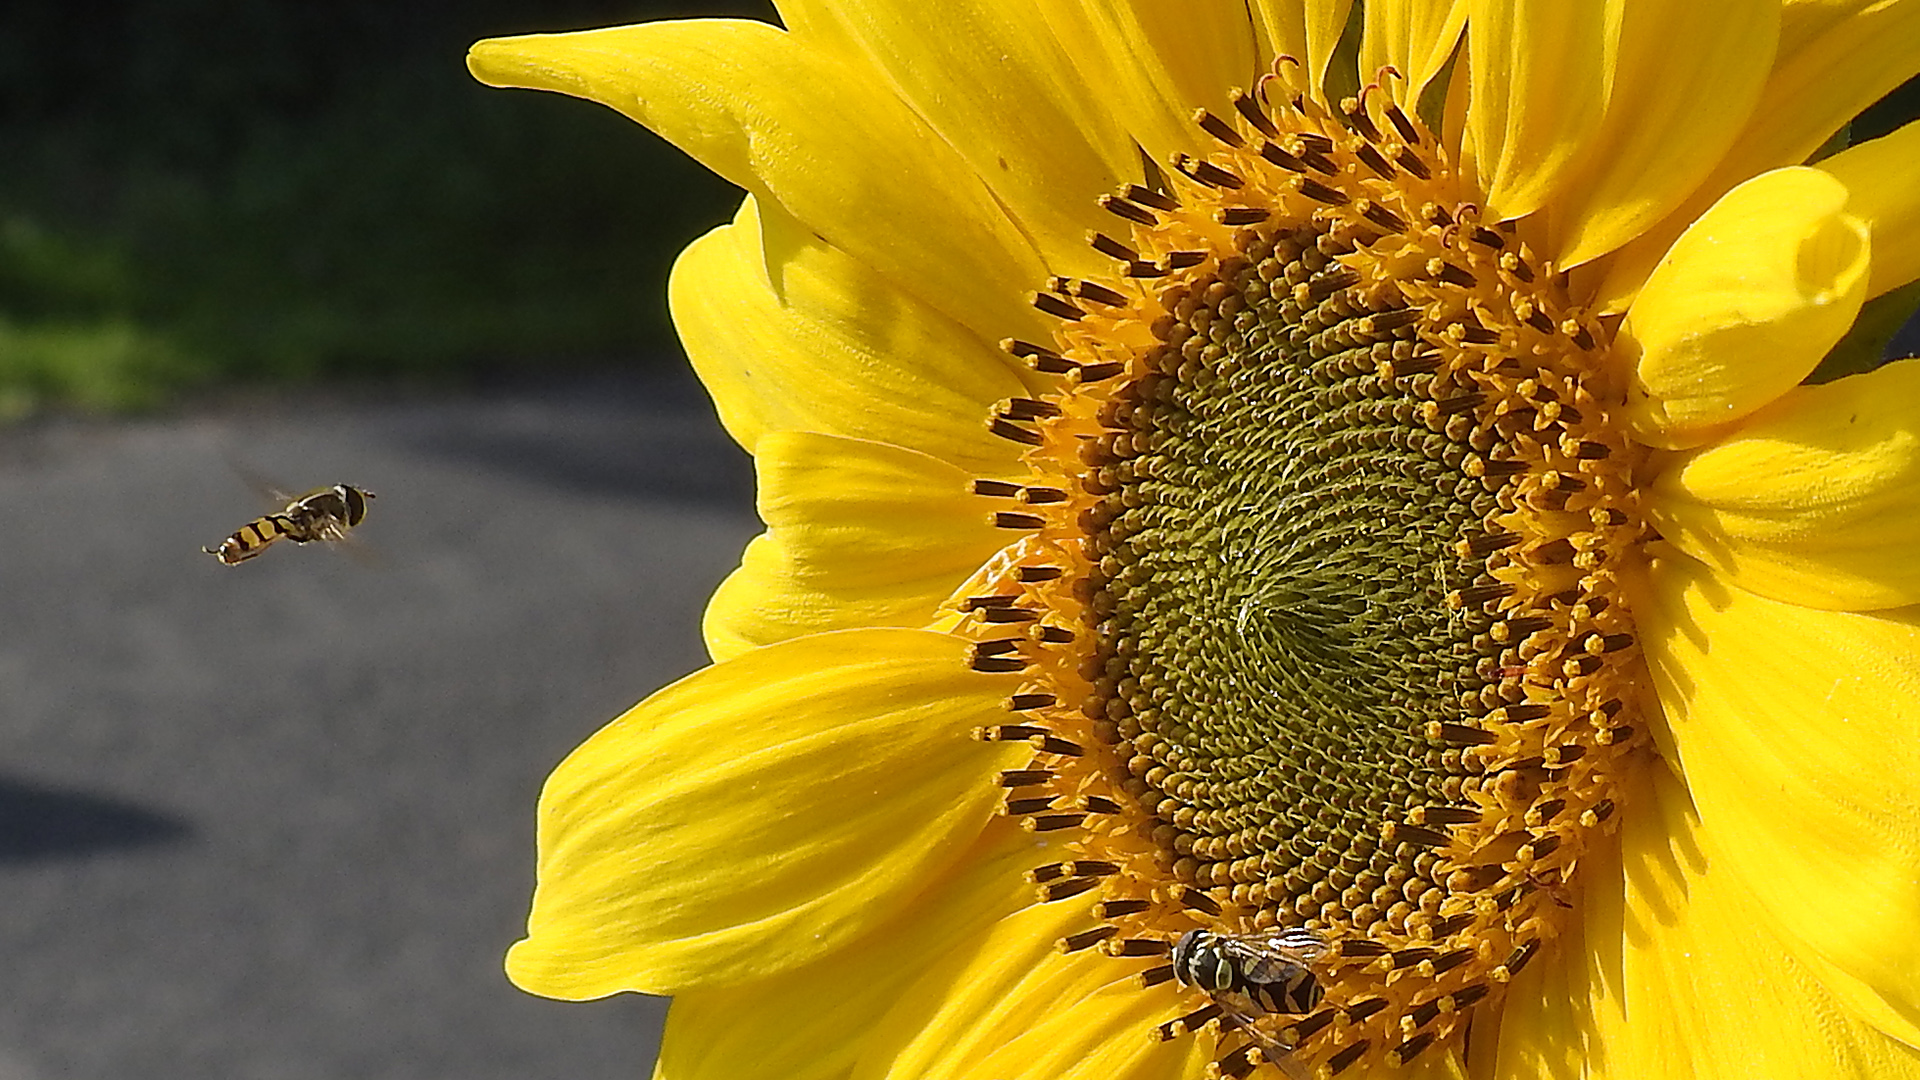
(252, 539)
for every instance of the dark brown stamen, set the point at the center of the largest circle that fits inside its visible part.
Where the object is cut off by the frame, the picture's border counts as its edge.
(1218, 128)
(1207, 172)
(1319, 192)
(1403, 833)
(1361, 1010)
(1410, 1049)
(1154, 976)
(1098, 293)
(1024, 702)
(1120, 207)
(1149, 197)
(1273, 153)
(1061, 890)
(1246, 106)
(1344, 1060)
(1085, 939)
(1355, 111)
(1401, 124)
(1380, 215)
(1055, 306)
(1114, 249)
(1027, 409)
(1373, 159)
(1195, 899)
(1007, 519)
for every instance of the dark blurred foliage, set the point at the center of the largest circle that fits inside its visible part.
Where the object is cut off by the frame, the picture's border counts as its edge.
(202, 190)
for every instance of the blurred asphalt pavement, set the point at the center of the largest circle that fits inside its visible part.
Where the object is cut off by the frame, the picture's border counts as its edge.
(276, 821)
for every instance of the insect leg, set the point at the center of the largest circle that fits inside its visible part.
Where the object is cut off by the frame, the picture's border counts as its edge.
(1271, 1049)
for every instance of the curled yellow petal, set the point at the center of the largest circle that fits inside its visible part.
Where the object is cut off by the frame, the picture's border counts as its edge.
(1883, 190)
(858, 534)
(1798, 733)
(759, 814)
(1815, 502)
(1743, 306)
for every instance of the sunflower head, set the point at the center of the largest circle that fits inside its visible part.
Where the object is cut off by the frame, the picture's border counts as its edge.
(1291, 639)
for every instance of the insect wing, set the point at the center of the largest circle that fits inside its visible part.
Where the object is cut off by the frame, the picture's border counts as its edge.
(1273, 958)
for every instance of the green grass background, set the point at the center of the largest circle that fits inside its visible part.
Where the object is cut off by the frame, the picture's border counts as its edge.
(217, 191)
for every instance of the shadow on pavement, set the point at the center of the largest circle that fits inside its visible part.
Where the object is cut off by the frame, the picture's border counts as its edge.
(47, 823)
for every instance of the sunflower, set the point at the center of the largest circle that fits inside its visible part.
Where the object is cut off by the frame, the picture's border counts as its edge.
(1302, 539)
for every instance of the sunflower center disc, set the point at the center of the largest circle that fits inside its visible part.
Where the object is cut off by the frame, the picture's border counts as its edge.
(1274, 580)
(1318, 605)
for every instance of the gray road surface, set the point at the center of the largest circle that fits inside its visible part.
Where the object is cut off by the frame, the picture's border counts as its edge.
(276, 821)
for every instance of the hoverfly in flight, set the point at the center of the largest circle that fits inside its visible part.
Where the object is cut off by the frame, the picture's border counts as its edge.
(321, 514)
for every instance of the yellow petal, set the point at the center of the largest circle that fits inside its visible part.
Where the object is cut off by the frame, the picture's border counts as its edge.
(789, 333)
(800, 127)
(1157, 62)
(1706, 981)
(1883, 190)
(1675, 970)
(811, 1023)
(1307, 32)
(1743, 306)
(1415, 37)
(760, 814)
(1549, 1026)
(1670, 116)
(1798, 733)
(1836, 58)
(989, 77)
(858, 534)
(1816, 501)
(1539, 82)
(1015, 1008)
